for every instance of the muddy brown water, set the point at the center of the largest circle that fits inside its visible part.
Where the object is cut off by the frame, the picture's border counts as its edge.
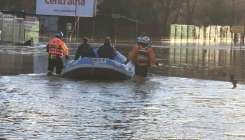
(188, 97)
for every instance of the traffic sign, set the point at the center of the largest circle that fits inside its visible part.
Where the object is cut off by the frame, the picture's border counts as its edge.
(115, 16)
(237, 29)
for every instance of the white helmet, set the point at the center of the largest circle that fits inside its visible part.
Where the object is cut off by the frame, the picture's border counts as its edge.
(139, 39)
(146, 40)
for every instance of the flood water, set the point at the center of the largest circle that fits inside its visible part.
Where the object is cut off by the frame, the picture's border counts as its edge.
(188, 97)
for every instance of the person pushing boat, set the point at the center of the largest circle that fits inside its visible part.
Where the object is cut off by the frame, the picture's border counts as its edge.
(143, 56)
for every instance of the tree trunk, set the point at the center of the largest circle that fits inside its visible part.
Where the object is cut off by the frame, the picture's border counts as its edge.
(189, 19)
(190, 8)
(177, 15)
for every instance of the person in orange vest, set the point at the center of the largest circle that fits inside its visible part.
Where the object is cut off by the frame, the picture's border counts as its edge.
(56, 49)
(143, 56)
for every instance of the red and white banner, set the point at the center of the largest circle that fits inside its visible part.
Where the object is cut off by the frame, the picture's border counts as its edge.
(82, 8)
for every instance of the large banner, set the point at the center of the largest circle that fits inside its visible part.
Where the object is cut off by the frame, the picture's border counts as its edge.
(30, 22)
(82, 8)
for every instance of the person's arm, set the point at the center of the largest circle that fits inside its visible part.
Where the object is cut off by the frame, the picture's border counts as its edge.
(131, 54)
(65, 50)
(92, 52)
(47, 48)
(77, 53)
(99, 51)
(113, 51)
(152, 56)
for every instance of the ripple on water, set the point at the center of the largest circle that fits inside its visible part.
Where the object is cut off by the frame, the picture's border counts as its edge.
(40, 107)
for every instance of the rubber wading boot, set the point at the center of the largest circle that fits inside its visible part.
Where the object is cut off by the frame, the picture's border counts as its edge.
(50, 73)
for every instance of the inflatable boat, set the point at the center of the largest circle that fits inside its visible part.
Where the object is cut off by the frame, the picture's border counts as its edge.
(99, 68)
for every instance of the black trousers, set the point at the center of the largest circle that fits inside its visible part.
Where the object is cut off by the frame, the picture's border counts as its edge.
(57, 63)
(141, 70)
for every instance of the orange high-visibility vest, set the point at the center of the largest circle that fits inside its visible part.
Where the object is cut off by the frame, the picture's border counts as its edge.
(142, 55)
(57, 47)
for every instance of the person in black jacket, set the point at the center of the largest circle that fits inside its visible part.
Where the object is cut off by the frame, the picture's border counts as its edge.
(26, 43)
(84, 50)
(107, 50)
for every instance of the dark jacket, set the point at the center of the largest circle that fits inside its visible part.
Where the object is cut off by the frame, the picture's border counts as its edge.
(84, 50)
(27, 43)
(106, 51)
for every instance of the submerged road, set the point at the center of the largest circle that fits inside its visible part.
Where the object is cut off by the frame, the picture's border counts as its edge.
(189, 97)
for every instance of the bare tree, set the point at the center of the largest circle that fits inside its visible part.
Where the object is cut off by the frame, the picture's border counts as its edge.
(190, 9)
(178, 11)
(165, 8)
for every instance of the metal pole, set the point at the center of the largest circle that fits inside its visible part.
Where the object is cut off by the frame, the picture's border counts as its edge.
(2, 31)
(49, 28)
(243, 30)
(75, 29)
(20, 23)
(78, 26)
(116, 32)
(136, 32)
(13, 30)
(241, 36)
(66, 32)
(75, 33)
(93, 32)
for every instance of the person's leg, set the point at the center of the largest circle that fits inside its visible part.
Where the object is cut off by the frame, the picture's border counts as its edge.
(143, 73)
(59, 66)
(50, 66)
(137, 72)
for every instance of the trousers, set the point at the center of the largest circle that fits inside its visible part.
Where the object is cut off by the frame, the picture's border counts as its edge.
(57, 63)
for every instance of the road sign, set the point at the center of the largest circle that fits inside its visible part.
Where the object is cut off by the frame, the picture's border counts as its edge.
(237, 29)
(115, 16)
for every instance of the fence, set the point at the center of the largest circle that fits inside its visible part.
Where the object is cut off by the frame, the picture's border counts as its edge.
(12, 30)
(192, 33)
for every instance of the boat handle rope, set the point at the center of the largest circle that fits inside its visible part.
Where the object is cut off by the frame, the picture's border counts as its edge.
(92, 68)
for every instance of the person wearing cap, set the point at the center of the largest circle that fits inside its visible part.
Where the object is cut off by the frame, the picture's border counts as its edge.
(107, 50)
(84, 50)
(143, 56)
(56, 48)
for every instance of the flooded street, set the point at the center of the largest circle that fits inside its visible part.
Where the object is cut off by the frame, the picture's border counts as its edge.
(189, 97)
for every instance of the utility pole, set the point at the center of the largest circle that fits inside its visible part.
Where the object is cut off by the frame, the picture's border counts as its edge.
(75, 33)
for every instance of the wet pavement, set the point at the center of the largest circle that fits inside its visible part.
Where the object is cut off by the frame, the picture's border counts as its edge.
(189, 97)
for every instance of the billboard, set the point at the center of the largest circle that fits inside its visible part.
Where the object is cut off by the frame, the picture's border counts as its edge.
(82, 8)
(30, 22)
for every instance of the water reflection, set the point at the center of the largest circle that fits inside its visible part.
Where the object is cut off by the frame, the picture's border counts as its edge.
(163, 108)
(34, 106)
(14, 64)
(213, 62)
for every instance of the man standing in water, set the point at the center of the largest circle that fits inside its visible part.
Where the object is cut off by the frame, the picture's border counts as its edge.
(84, 50)
(56, 49)
(143, 56)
